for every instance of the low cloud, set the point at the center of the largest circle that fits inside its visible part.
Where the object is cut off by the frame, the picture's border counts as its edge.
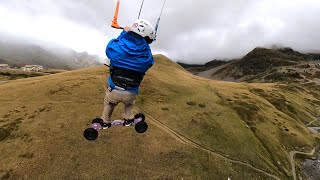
(189, 31)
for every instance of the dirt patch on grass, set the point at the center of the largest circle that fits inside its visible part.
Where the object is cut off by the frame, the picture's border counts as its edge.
(27, 155)
(60, 89)
(4, 133)
(7, 129)
(6, 115)
(165, 109)
(57, 90)
(33, 116)
(191, 103)
(4, 175)
(42, 109)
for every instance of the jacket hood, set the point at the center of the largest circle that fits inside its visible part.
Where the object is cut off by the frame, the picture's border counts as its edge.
(133, 44)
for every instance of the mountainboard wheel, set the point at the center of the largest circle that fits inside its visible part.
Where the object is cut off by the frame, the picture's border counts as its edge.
(141, 127)
(140, 115)
(90, 134)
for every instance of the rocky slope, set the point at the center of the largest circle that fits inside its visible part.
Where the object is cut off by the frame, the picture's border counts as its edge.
(269, 65)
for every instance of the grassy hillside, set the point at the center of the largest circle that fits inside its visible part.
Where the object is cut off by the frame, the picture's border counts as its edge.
(198, 128)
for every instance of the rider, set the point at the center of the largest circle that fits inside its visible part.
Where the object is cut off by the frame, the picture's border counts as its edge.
(130, 58)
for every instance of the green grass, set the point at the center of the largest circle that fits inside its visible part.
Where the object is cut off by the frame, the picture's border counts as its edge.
(251, 123)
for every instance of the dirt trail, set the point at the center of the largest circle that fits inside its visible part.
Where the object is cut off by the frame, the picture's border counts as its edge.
(318, 119)
(189, 142)
(292, 154)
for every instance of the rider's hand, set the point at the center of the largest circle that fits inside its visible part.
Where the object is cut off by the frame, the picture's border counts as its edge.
(127, 28)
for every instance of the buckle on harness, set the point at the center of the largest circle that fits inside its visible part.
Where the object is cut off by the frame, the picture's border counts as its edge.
(116, 88)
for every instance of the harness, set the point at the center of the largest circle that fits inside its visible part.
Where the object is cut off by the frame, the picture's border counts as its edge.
(125, 78)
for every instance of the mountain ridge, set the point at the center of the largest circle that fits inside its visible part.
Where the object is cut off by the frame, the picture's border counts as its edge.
(266, 65)
(257, 124)
(18, 54)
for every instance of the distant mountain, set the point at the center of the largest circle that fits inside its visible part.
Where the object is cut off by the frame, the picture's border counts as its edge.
(194, 68)
(3, 61)
(268, 65)
(290, 51)
(18, 54)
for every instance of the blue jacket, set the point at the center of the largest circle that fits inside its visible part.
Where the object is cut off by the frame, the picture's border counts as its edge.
(130, 52)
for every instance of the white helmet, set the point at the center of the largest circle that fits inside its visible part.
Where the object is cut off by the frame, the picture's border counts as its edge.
(143, 28)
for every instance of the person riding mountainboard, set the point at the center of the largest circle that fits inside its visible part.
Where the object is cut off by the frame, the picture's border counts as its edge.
(130, 58)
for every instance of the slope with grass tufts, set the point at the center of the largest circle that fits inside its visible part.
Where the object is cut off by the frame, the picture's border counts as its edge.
(198, 128)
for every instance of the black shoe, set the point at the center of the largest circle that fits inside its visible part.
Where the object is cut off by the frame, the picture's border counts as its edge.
(128, 122)
(105, 125)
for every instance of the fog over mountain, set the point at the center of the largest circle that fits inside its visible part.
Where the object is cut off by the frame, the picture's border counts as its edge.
(189, 31)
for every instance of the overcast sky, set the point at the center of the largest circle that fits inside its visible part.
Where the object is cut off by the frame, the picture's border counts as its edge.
(191, 31)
